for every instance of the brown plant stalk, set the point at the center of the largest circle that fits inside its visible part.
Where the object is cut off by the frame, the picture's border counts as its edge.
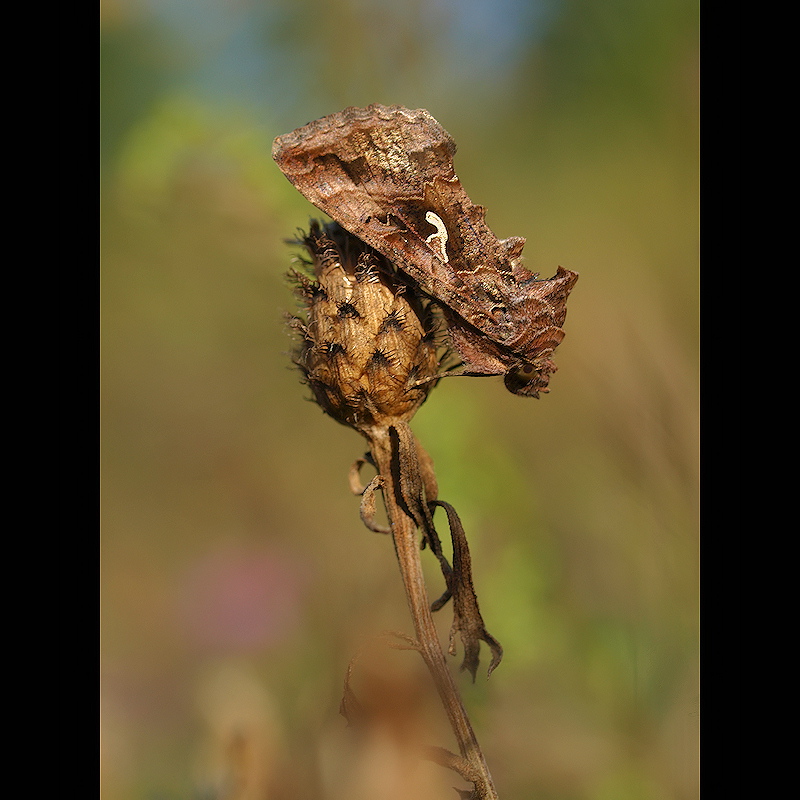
(471, 764)
(369, 353)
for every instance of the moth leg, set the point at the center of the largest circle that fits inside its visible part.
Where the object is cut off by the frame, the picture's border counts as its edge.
(451, 373)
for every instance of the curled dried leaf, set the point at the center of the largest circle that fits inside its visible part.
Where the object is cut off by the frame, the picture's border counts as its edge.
(354, 476)
(367, 509)
(410, 481)
(467, 620)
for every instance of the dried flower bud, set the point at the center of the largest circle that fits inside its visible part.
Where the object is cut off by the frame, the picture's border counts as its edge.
(368, 340)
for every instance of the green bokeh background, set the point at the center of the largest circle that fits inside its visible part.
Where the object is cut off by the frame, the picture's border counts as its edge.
(237, 579)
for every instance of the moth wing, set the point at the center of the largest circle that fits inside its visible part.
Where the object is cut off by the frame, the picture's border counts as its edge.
(378, 172)
(543, 306)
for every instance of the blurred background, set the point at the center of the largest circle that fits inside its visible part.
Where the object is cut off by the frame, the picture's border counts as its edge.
(237, 579)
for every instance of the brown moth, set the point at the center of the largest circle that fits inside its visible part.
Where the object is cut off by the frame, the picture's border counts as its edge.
(385, 174)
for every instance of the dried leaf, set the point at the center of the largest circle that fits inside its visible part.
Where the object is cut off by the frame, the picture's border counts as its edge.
(467, 620)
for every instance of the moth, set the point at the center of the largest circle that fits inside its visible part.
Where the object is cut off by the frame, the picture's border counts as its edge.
(386, 175)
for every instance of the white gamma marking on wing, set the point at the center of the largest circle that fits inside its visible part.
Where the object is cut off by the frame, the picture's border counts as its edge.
(437, 241)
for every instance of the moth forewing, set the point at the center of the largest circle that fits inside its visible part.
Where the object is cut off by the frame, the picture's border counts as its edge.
(386, 175)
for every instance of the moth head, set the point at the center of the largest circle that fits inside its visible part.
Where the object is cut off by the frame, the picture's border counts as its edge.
(528, 378)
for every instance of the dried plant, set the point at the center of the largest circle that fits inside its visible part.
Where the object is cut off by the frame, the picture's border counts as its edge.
(369, 350)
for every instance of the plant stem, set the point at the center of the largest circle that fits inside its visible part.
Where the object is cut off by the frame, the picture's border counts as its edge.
(407, 548)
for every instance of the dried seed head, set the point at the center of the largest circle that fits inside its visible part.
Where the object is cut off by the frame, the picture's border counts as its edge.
(367, 339)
